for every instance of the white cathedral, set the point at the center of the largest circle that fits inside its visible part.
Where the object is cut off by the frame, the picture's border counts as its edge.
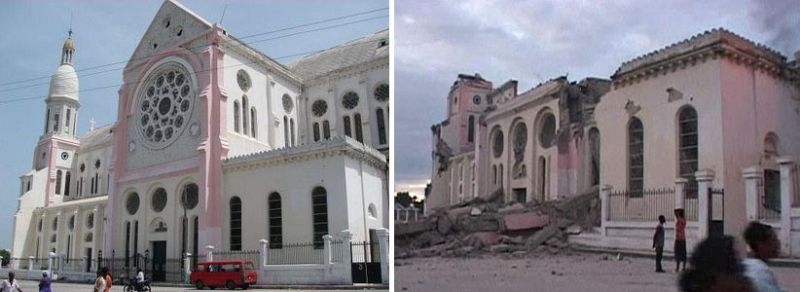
(215, 144)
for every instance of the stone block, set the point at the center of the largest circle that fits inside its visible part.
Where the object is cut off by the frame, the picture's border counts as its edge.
(525, 221)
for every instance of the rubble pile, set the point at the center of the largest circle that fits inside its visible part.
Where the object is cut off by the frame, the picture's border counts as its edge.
(490, 226)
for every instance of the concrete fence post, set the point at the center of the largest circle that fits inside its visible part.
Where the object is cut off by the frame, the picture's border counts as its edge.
(383, 245)
(209, 253)
(680, 194)
(50, 258)
(30, 263)
(326, 251)
(84, 263)
(787, 191)
(187, 267)
(704, 184)
(752, 178)
(605, 203)
(347, 237)
(264, 251)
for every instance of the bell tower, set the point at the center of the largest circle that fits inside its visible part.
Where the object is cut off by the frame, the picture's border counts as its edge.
(58, 142)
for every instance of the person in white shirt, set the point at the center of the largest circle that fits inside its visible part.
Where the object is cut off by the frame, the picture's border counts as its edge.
(764, 245)
(10, 285)
(139, 277)
(100, 282)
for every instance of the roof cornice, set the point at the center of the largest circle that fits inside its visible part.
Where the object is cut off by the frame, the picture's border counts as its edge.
(710, 45)
(345, 72)
(335, 146)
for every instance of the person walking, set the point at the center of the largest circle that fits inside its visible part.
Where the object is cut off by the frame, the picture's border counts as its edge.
(10, 285)
(716, 267)
(658, 242)
(99, 282)
(680, 240)
(108, 280)
(764, 245)
(44, 283)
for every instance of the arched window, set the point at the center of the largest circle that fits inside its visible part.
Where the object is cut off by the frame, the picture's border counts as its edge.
(286, 131)
(687, 147)
(316, 131)
(494, 174)
(381, 126)
(66, 124)
(275, 221)
(56, 119)
(357, 121)
(66, 184)
(127, 243)
(471, 131)
(58, 182)
(245, 120)
(319, 200)
(594, 151)
(47, 121)
(236, 224)
(253, 123)
(346, 126)
(236, 116)
(542, 177)
(326, 129)
(635, 157)
(291, 126)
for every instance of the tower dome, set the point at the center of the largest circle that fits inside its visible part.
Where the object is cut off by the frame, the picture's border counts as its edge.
(64, 82)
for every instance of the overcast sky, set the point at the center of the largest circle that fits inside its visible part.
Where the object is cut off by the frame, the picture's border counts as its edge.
(532, 41)
(32, 33)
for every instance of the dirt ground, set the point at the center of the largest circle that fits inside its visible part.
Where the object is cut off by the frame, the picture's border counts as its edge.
(563, 272)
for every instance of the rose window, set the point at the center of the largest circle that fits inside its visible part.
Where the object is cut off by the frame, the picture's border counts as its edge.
(244, 80)
(319, 107)
(497, 144)
(165, 105)
(288, 104)
(350, 100)
(382, 92)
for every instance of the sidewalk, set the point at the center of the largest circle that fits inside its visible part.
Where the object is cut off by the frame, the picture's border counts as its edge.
(669, 256)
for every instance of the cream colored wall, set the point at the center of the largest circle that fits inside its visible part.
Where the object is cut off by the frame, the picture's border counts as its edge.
(701, 89)
(530, 115)
(755, 104)
(265, 94)
(146, 215)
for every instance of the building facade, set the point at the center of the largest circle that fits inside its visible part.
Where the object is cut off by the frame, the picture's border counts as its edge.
(707, 125)
(215, 144)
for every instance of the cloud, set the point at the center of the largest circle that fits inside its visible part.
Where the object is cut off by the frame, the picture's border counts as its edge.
(532, 41)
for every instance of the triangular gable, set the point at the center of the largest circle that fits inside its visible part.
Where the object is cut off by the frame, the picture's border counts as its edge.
(172, 24)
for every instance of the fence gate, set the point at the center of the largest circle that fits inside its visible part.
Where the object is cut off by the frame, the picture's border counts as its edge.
(716, 203)
(366, 266)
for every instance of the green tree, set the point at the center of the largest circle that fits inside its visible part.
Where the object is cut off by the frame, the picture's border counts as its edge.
(404, 198)
(6, 257)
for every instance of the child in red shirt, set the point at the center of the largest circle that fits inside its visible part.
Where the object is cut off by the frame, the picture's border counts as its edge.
(680, 240)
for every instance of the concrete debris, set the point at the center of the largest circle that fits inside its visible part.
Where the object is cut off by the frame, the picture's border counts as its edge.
(475, 212)
(487, 225)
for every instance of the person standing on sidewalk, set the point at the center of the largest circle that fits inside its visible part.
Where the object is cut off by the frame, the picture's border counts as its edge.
(764, 245)
(658, 243)
(10, 285)
(680, 240)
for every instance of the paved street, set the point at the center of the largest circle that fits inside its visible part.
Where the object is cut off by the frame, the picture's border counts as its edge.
(29, 286)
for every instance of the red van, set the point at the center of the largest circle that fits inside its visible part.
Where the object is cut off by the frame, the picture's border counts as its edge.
(228, 273)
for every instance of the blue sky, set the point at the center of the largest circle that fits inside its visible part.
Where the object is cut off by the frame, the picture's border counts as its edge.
(32, 33)
(535, 40)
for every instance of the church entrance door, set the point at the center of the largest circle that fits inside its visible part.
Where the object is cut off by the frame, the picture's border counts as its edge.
(159, 261)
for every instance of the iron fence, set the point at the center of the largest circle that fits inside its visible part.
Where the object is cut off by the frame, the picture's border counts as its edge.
(295, 254)
(365, 252)
(644, 205)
